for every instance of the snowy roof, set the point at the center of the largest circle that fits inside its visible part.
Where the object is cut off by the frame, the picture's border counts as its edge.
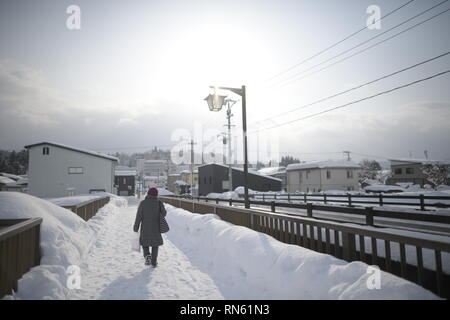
(272, 170)
(421, 161)
(189, 171)
(125, 168)
(89, 152)
(155, 161)
(125, 173)
(250, 171)
(323, 165)
(181, 183)
(11, 176)
(5, 180)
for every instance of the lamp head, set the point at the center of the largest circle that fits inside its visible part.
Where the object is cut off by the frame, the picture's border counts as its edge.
(215, 102)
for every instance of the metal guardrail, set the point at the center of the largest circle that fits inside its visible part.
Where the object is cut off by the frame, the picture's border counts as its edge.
(88, 209)
(19, 250)
(337, 239)
(350, 199)
(368, 212)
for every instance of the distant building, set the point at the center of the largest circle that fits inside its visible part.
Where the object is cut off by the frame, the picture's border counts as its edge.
(171, 178)
(411, 170)
(56, 170)
(322, 175)
(181, 187)
(125, 182)
(275, 172)
(155, 168)
(189, 177)
(214, 178)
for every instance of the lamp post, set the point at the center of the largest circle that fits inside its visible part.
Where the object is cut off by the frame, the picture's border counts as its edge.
(215, 103)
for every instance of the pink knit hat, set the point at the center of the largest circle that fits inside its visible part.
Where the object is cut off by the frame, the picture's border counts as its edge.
(153, 192)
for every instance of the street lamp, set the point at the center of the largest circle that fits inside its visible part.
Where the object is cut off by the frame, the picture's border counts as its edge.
(215, 103)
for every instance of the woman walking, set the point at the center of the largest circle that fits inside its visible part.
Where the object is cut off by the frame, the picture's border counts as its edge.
(148, 219)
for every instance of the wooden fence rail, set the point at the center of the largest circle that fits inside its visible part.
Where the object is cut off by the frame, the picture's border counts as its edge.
(88, 209)
(345, 242)
(19, 250)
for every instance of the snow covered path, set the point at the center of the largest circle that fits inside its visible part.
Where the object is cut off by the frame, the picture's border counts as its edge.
(203, 257)
(113, 271)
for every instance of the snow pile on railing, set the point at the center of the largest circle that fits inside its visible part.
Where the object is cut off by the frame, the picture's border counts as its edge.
(65, 239)
(252, 265)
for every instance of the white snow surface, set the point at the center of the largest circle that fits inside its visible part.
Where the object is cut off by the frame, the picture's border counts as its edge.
(74, 200)
(6, 180)
(202, 257)
(323, 164)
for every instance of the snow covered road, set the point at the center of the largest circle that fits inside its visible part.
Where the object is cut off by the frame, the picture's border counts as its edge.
(113, 271)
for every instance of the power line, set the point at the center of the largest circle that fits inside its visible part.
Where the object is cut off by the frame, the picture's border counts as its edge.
(357, 87)
(294, 78)
(337, 43)
(356, 101)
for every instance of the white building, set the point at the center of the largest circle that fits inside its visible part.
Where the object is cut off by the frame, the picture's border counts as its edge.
(322, 176)
(56, 170)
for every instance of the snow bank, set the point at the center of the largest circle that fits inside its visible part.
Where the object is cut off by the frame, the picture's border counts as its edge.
(65, 240)
(251, 265)
(164, 192)
(383, 188)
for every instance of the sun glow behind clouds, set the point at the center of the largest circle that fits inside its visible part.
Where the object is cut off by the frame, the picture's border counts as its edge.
(208, 53)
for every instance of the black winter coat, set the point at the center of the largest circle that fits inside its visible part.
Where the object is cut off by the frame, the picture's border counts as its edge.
(148, 219)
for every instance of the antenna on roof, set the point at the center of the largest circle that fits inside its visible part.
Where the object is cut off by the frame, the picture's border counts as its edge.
(426, 154)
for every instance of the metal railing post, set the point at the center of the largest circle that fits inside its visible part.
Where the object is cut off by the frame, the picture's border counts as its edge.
(369, 216)
(272, 206)
(422, 202)
(309, 210)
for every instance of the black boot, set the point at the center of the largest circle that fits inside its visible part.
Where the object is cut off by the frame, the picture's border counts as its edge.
(148, 259)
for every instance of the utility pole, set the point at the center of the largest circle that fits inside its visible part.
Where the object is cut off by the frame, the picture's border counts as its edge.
(192, 165)
(348, 154)
(230, 103)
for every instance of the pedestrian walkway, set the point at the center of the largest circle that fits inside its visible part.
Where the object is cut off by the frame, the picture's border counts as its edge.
(113, 271)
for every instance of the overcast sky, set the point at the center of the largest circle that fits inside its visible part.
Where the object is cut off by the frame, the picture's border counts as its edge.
(136, 73)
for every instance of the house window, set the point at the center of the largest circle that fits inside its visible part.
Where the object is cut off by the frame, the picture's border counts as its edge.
(349, 174)
(398, 171)
(329, 174)
(75, 170)
(45, 150)
(409, 170)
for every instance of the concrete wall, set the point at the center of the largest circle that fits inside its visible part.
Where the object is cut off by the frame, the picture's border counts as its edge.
(317, 180)
(49, 174)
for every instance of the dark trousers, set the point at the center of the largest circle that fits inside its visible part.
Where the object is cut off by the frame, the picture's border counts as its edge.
(154, 253)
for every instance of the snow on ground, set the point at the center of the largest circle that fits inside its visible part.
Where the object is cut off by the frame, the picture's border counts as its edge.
(113, 271)
(250, 265)
(78, 199)
(65, 239)
(203, 257)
